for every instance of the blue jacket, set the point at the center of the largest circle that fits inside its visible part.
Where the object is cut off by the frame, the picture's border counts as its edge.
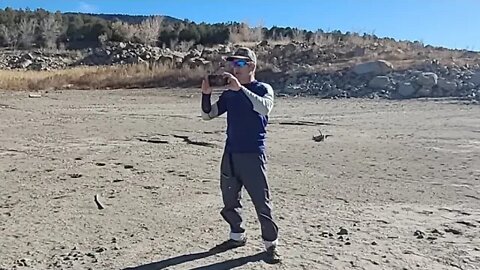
(247, 116)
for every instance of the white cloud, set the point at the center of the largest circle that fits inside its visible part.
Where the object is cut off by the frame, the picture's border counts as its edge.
(86, 7)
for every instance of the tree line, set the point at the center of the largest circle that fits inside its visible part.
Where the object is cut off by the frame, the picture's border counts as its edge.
(43, 29)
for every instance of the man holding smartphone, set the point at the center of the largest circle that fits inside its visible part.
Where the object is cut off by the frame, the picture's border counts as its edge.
(248, 103)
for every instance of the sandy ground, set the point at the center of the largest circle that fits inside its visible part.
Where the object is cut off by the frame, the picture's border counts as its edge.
(400, 180)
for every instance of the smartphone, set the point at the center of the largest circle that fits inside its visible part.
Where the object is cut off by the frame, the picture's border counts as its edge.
(217, 80)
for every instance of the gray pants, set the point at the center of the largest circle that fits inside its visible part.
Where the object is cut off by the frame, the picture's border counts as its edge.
(246, 170)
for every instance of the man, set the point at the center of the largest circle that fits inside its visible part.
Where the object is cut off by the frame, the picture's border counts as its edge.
(247, 103)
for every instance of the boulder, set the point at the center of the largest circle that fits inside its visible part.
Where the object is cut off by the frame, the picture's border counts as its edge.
(263, 43)
(424, 92)
(289, 50)
(25, 64)
(446, 85)
(166, 60)
(224, 49)
(379, 82)
(195, 62)
(453, 71)
(379, 67)
(28, 56)
(427, 79)
(406, 90)
(277, 51)
(475, 79)
(193, 53)
(466, 86)
(358, 51)
(207, 51)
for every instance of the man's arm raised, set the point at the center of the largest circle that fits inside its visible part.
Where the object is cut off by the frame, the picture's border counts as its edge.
(209, 110)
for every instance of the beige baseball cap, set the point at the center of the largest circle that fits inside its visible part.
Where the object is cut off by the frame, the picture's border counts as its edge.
(243, 53)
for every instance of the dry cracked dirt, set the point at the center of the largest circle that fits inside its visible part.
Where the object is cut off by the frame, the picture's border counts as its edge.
(395, 185)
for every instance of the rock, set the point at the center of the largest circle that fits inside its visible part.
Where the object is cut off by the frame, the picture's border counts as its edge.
(263, 43)
(325, 234)
(38, 66)
(22, 263)
(468, 86)
(427, 79)
(419, 234)
(291, 47)
(195, 62)
(439, 93)
(406, 90)
(343, 231)
(225, 49)
(320, 137)
(292, 89)
(334, 92)
(34, 96)
(454, 231)
(379, 82)
(379, 67)
(28, 56)
(140, 61)
(25, 64)
(424, 92)
(166, 60)
(100, 249)
(454, 71)
(475, 79)
(75, 175)
(446, 85)
(193, 54)
(358, 51)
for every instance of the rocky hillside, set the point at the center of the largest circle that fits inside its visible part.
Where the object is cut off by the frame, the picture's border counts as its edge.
(334, 71)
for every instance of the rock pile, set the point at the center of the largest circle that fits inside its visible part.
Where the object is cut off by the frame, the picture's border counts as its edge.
(293, 69)
(377, 79)
(37, 60)
(132, 53)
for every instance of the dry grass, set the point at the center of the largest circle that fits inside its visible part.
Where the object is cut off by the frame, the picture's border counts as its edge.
(112, 77)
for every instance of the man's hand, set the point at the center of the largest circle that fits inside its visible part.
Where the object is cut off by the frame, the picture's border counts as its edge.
(233, 83)
(206, 89)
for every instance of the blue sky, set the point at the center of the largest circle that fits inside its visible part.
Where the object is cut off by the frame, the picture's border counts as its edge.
(448, 23)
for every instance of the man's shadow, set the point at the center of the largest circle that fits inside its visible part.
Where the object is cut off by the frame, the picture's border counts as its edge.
(230, 264)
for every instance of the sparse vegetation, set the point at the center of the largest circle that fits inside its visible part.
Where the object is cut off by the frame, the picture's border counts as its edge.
(114, 77)
(43, 29)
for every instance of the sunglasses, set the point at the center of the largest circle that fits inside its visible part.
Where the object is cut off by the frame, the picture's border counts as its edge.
(240, 63)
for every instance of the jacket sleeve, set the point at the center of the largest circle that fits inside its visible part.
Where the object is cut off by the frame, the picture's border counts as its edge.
(211, 111)
(261, 104)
